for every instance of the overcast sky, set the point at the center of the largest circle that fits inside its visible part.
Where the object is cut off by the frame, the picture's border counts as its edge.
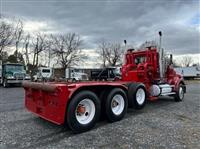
(133, 20)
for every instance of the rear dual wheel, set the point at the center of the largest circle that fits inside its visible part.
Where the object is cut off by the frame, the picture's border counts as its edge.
(116, 102)
(83, 111)
(116, 105)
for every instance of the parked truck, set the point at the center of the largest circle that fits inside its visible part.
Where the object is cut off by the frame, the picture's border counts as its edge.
(43, 73)
(145, 75)
(75, 75)
(12, 73)
(109, 73)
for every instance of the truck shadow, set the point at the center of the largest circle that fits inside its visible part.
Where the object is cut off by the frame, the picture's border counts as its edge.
(150, 105)
(12, 86)
(153, 105)
(58, 133)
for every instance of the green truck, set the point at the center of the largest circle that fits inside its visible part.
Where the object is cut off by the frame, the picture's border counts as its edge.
(12, 73)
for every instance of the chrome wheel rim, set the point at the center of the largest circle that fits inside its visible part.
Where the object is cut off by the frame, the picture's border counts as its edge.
(140, 96)
(181, 93)
(117, 104)
(86, 115)
(4, 84)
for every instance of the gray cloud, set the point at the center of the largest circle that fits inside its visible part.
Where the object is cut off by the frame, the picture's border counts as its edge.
(134, 20)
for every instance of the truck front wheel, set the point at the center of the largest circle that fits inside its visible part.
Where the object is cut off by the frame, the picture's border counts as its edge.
(180, 93)
(83, 111)
(5, 84)
(116, 105)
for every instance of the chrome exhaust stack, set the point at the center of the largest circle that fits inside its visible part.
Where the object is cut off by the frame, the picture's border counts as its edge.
(161, 54)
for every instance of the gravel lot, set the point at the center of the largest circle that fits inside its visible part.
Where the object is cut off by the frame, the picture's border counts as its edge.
(161, 124)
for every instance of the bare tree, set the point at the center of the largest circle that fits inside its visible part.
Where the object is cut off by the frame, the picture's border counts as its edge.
(4, 56)
(176, 63)
(6, 36)
(187, 61)
(67, 49)
(26, 43)
(111, 54)
(18, 33)
(50, 52)
(33, 47)
(114, 54)
(103, 46)
(36, 49)
(40, 44)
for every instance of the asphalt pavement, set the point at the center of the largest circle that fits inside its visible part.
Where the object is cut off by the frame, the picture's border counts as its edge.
(161, 124)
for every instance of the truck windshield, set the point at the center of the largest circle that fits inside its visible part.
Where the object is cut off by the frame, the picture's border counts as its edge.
(117, 72)
(140, 59)
(14, 68)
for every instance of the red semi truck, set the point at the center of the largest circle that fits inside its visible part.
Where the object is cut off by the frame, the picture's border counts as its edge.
(146, 75)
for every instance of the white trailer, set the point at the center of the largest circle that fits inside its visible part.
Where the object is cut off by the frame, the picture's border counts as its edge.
(75, 74)
(189, 72)
(43, 73)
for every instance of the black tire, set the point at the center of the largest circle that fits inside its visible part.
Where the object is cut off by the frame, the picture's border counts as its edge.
(5, 84)
(179, 96)
(119, 114)
(73, 80)
(72, 121)
(102, 97)
(132, 91)
(20, 84)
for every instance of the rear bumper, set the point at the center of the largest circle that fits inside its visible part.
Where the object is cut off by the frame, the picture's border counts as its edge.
(50, 106)
(47, 112)
(48, 118)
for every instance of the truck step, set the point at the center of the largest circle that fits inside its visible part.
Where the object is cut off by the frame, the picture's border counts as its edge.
(166, 94)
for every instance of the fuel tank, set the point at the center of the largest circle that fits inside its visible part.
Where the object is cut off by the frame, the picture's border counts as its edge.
(162, 89)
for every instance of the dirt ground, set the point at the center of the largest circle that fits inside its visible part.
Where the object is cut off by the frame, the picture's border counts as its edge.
(161, 124)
